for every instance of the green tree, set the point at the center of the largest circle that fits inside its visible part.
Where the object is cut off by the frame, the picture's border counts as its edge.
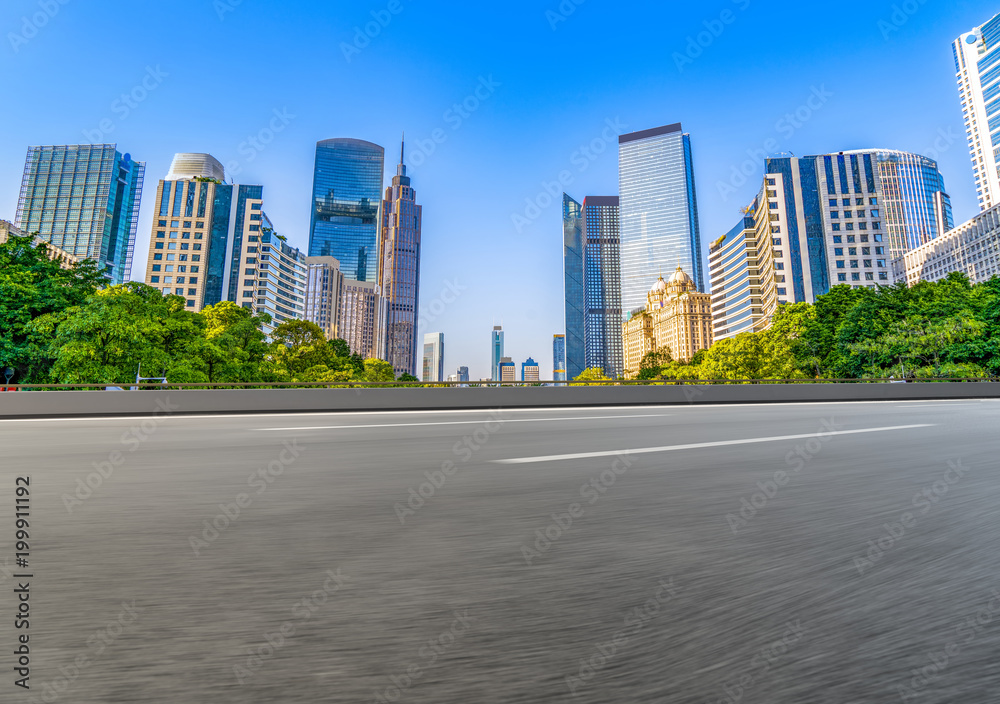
(32, 286)
(105, 340)
(591, 375)
(378, 370)
(652, 363)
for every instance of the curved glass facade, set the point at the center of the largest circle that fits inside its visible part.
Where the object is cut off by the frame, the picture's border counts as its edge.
(347, 193)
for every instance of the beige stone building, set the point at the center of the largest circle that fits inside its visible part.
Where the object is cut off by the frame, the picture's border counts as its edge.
(677, 317)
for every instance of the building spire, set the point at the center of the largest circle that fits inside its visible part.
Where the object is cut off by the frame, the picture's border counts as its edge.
(402, 148)
(401, 169)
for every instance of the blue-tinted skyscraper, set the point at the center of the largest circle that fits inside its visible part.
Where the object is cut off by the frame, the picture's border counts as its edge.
(659, 210)
(977, 68)
(84, 199)
(347, 193)
(497, 351)
(574, 248)
(602, 284)
(559, 358)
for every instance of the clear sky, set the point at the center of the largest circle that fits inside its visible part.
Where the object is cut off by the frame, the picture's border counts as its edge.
(550, 76)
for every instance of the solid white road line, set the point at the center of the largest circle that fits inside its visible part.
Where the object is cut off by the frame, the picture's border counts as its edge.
(468, 422)
(701, 445)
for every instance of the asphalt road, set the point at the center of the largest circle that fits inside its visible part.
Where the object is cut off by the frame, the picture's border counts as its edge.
(839, 553)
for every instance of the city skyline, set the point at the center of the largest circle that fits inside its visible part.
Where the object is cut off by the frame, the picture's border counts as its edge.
(925, 117)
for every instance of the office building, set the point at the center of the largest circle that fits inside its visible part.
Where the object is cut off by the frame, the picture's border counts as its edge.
(497, 351)
(347, 193)
(400, 270)
(659, 210)
(507, 369)
(602, 285)
(359, 316)
(463, 374)
(677, 317)
(574, 251)
(745, 285)
(65, 259)
(273, 277)
(842, 218)
(433, 357)
(84, 199)
(977, 68)
(529, 370)
(324, 282)
(972, 248)
(559, 358)
(202, 228)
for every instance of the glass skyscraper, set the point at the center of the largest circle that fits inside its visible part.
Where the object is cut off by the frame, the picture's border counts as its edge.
(574, 248)
(497, 351)
(433, 357)
(84, 199)
(602, 285)
(400, 271)
(977, 68)
(659, 210)
(559, 358)
(347, 193)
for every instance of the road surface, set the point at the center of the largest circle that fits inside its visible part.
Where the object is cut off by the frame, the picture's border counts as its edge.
(831, 553)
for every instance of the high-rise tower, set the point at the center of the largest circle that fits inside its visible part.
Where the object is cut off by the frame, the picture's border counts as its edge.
(400, 270)
(977, 68)
(659, 210)
(347, 193)
(84, 199)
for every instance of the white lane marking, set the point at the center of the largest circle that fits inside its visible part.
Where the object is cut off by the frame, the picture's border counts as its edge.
(553, 409)
(701, 445)
(468, 422)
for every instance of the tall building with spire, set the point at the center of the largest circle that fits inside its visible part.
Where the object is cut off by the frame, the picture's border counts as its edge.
(399, 269)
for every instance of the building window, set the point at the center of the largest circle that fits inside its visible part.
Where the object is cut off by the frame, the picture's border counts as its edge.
(782, 292)
(840, 264)
(855, 277)
(190, 303)
(161, 234)
(869, 276)
(833, 203)
(159, 245)
(157, 257)
(838, 251)
(847, 202)
(156, 267)
(883, 276)
(835, 214)
(880, 262)
(878, 237)
(173, 245)
(193, 279)
(841, 277)
(862, 226)
(154, 279)
(168, 279)
(192, 292)
(837, 239)
(868, 263)
(854, 263)
(836, 227)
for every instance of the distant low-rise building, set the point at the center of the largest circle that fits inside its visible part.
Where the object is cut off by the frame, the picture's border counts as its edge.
(972, 248)
(65, 259)
(529, 370)
(677, 317)
(508, 370)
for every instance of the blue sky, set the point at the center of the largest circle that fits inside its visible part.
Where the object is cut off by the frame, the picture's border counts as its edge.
(550, 76)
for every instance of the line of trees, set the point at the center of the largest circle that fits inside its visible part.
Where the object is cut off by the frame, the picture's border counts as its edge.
(66, 326)
(944, 329)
